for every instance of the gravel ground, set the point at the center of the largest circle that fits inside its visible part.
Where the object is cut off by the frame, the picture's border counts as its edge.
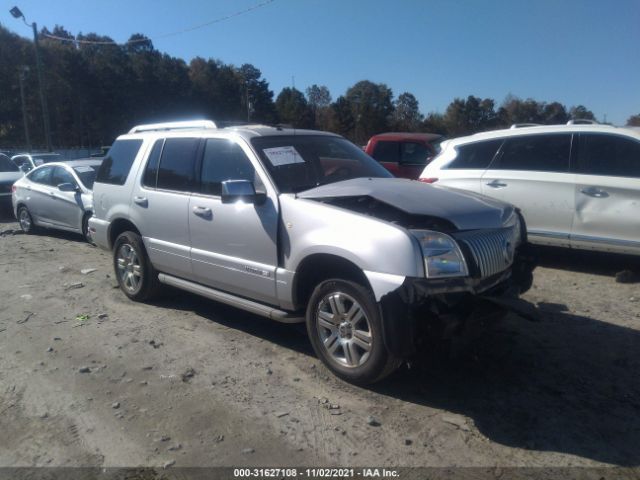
(89, 378)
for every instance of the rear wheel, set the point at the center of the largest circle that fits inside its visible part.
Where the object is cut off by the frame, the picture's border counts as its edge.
(25, 220)
(136, 276)
(344, 325)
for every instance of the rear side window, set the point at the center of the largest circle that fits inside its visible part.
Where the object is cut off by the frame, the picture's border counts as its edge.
(177, 164)
(541, 153)
(223, 160)
(151, 170)
(475, 155)
(386, 152)
(42, 175)
(116, 165)
(414, 153)
(609, 155)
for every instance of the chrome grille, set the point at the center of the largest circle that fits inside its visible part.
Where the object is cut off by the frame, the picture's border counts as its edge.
(492, 250)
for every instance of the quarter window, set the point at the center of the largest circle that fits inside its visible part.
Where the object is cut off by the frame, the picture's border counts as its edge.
(610, 155)
(177, 164)
(542, 153)
(476, 155)
(223, 160)
(116, 165)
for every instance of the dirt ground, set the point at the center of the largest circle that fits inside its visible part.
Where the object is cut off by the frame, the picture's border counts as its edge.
(89, 378)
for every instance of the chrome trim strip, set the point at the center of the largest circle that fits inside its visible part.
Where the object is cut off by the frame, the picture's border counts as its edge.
(610, 241)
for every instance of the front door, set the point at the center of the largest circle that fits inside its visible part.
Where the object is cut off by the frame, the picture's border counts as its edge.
(233, 246)
(607, 194)
(65, 208)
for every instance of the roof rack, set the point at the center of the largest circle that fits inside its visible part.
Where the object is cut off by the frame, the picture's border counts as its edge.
(150, 127)
(522, 125)
(582, 121)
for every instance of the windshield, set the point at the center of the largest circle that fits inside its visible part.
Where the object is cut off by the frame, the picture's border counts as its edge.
(301, 162)
(6, 165)
(86, 174)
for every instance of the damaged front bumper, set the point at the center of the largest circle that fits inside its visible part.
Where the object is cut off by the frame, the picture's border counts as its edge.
(440, 308)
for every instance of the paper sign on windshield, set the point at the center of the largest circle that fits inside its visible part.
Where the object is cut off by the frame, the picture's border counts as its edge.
(283, 156)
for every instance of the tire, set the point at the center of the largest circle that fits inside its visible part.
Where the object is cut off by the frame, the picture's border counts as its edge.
(136, 276)
(352, 347)
(85, 228)
(26, 221)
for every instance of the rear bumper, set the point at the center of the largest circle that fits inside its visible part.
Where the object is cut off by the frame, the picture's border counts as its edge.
(99, 232)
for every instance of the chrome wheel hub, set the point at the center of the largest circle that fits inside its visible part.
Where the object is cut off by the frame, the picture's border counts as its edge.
(344, 329)
(129, 268)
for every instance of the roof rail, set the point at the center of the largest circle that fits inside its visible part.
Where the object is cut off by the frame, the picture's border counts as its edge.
(150, 127)
(582, 121)
(522, 125)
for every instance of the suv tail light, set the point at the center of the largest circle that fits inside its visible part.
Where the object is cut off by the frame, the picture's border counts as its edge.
(428, 180)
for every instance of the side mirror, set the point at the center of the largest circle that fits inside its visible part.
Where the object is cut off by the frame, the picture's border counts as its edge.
(241, 190)
(68, 187)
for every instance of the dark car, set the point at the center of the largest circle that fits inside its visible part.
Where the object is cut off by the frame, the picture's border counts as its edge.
(404, 154)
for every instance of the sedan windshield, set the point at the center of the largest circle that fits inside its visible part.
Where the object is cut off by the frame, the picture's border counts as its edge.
(86, 174)
(6, 165)
(301, 162)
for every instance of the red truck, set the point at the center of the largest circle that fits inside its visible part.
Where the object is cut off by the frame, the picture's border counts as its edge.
(403, 154)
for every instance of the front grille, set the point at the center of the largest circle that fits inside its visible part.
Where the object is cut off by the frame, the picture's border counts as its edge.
(492, 250)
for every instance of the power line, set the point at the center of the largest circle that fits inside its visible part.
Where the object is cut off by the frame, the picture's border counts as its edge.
(171, 34)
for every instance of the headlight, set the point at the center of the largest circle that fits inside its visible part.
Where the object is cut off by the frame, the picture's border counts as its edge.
(442, 255)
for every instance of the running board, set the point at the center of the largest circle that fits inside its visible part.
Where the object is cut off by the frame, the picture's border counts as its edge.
(228, 299)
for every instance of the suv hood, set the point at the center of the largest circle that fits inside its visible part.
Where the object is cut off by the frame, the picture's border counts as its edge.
(465, 210)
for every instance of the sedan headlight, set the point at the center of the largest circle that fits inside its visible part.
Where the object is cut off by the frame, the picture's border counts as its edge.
(442, 255)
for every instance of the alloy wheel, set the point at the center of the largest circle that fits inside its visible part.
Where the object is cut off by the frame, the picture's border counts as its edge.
(129, 268)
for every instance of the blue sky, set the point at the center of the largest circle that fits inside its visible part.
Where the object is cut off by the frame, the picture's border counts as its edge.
(573, 51)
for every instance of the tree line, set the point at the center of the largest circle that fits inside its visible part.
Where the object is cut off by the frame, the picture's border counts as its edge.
(96, 92)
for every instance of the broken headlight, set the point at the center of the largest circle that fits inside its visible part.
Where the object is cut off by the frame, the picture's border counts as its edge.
(442, 255)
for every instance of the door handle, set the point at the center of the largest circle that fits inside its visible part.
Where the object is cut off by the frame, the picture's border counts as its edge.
(496, 184)
(595, 192)
(142, 201)
(203, 212)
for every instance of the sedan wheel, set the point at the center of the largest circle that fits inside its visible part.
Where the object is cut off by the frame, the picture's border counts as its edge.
(25, 220)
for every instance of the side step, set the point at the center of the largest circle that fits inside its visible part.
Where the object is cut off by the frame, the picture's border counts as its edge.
(226, 298)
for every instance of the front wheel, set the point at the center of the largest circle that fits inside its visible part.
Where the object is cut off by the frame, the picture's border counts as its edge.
(86, 233)
(344, 325)
(136, 276)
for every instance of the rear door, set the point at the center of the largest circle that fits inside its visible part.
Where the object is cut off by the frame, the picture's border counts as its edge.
(467, 166)
(607, 193)
(160, 206)
(38, 193)
(233, 246)
(533, 173)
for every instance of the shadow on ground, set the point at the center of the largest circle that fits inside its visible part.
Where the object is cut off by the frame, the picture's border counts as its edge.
(567, 383)
(583, 261)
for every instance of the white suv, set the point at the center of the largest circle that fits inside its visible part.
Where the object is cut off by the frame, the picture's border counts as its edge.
(577, 185)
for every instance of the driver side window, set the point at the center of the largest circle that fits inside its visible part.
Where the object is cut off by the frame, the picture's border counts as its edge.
(225, 160)
(60, 175)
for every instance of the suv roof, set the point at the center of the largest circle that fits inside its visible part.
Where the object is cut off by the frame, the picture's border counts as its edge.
(518, 130)
(201, 127)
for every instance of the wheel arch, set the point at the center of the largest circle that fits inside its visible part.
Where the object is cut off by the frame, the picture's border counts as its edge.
(119, 226)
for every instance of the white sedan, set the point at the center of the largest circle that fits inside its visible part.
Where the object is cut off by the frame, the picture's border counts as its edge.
(56, 195)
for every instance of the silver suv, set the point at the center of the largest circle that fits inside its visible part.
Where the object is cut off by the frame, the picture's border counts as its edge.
(299, 226)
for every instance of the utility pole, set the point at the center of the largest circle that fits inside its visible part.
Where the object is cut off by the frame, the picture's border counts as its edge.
(21, 75)
(17, 13)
